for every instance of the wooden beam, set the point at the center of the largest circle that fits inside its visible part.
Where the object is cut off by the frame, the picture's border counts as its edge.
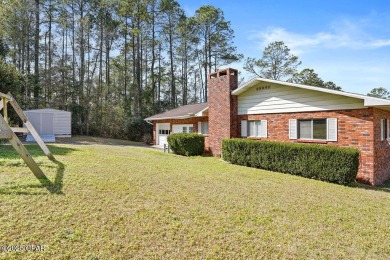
(19, 130)
(1, 105)
(22, 151)
(5, 112)
(2, 95)
(5, 134)
(30, 127)
(18, 109)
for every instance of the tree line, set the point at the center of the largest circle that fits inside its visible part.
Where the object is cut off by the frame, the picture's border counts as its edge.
(112, 63)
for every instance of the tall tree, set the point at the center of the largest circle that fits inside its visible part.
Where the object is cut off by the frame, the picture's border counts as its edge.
(173, 12)
(36, 53)
(215, 39)
(277, 62)
(309, 77)
(379, 93)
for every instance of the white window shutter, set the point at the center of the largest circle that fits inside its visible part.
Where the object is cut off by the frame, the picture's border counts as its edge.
(264, 129)
(244, 131)
(199, 127)
(382, 129)
(292, 133)
(332, 129)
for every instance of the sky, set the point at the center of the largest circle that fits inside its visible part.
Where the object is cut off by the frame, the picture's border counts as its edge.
(344, 41)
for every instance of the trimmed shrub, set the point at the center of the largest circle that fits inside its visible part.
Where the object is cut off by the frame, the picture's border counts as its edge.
(186, 144)
(325, 163)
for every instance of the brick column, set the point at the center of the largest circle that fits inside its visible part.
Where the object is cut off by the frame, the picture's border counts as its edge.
(222, 108)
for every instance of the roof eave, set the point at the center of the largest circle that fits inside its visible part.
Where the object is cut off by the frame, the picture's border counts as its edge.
(170, 117)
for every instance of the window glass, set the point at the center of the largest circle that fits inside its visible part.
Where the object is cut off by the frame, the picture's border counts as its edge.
(190, 129)
(304, 128)
(184, 129)
(312, 129)
(252, 129)
(258, 128)
(205, 128)
(319, 129)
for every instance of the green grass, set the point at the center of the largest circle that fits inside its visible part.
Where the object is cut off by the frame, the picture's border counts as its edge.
(118, 202)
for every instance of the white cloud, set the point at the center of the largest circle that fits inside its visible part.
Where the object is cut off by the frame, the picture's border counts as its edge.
(342, 34)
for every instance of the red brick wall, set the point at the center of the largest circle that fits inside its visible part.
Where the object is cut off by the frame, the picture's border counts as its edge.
(222, 108)
(355, 129)
(382, 149)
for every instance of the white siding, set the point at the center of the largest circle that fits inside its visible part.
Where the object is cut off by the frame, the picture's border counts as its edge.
(62, 123)
(282, 99)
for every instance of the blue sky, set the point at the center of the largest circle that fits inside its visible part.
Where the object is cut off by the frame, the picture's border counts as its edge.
(347, 42)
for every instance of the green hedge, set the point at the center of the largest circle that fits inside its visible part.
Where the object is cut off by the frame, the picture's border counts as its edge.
(186, 144)
(326, 163)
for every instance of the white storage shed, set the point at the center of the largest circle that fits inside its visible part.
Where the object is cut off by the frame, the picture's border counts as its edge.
(50, 123)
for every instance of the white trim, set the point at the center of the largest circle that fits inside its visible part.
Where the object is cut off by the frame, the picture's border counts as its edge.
(200, 113)
(368, 101)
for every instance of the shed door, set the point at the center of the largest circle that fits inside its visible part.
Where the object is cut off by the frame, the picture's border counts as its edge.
(47, 126)
(163, 130)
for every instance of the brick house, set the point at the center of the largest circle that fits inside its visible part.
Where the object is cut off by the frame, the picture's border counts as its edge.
(273, 110)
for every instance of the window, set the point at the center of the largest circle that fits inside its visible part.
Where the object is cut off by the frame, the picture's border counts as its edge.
(312, 129)
(203, 128)
(255, 128)
(184, 128)
(187, 129)
(163, 132)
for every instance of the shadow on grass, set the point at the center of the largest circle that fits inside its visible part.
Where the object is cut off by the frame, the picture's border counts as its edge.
(384, 187)
(54, 187)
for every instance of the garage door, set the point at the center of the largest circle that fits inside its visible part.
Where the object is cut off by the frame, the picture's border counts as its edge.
(163, 130)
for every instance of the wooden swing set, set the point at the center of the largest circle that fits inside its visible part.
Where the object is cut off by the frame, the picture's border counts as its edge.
(8, 133)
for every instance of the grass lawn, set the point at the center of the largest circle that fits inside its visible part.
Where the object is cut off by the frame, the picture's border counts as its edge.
(119, 202)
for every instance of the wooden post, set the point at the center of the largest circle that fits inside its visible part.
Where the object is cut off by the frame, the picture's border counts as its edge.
(30, 127)
(22, 151)
(5, 112)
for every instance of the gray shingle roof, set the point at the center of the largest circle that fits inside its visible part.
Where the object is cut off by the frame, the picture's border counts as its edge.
(180, 112)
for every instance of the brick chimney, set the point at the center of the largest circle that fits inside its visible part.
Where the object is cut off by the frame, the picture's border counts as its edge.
(222, 108)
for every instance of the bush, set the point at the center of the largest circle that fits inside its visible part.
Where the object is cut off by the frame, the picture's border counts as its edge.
(186, 144)
(147, 139)
(326, 163)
